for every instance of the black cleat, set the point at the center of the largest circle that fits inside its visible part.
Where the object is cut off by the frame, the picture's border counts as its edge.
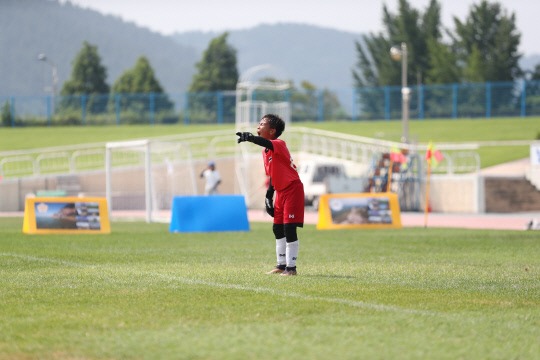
(289, 272)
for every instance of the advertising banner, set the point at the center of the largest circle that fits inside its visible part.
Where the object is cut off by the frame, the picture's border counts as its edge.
(362, 211)
(535, 155)
(66, 215)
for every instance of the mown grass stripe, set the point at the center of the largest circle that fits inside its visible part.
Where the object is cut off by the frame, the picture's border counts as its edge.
(352, 303)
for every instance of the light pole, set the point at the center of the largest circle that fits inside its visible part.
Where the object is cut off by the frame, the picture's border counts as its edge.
(43, 57)
(397, 54)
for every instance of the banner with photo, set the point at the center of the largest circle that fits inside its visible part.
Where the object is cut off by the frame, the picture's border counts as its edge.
(366, 210)
(60, 215)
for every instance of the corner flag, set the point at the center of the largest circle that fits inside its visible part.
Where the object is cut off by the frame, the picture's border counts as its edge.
(432, 152)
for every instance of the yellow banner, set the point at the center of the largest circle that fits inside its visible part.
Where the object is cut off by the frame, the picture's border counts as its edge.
(359, 211)
(66, 215)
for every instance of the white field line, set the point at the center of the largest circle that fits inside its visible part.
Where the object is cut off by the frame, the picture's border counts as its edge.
(353, 303)
(33, 258)
(172, 278)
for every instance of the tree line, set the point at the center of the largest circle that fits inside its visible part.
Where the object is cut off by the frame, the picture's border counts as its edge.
(482, 48)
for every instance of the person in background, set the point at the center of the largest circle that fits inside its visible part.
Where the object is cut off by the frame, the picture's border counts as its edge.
(213, 179)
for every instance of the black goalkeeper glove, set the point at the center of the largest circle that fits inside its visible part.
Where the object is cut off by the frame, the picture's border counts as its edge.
(244, 136)
(269, 203)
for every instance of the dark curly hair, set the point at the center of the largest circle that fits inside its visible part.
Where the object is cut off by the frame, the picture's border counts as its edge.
(276, 123)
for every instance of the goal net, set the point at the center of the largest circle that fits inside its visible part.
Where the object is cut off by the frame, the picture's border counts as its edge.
(260, 90)
(144, 176)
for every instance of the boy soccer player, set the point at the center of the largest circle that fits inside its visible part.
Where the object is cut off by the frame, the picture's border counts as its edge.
(288, 210)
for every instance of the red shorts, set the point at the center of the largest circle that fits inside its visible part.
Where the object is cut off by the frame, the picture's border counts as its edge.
(289, 204)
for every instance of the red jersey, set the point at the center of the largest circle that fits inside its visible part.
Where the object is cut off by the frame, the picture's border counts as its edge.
(279, 165)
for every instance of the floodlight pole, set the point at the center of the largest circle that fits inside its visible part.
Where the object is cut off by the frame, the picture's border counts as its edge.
(397, 54)
(43, 57)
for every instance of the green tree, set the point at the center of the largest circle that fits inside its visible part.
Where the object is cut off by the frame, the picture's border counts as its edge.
(475, 71)
(533, 89)
(305, 103)
(141, 80)
(5, 114)
(535, 75)
(442, 68)
(217, 69)
(88, 77)
(375, 67)
(487, 44)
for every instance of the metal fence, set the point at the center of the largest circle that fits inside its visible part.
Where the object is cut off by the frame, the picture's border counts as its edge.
(491, 99)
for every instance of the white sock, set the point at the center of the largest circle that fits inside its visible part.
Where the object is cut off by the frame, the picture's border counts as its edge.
(280, 251)
(292, 253)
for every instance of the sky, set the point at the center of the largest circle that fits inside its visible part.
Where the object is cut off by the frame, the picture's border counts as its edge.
(357, 16)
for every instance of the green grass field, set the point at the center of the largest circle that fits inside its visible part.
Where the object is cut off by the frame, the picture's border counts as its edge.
(461, 130)
(144, 293)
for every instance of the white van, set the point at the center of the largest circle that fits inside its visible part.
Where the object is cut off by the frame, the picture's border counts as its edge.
(313, 175)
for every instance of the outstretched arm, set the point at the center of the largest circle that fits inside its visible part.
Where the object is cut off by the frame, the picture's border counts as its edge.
(247, 136)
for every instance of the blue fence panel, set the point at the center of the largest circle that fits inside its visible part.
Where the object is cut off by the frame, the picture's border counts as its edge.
(229, 107)
(471, 99)
(493, 99)
(394, 102)
(305, 105)
(438, 101)
(203, 108)
(31, 110)
(414, 102)
(337, 104)
(505, 99)
(371, 103)
(531, 103)
(98, 109)
(133, 109)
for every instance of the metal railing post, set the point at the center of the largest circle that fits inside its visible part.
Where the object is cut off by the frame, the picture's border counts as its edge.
(152, 108)
(83, 109)
(220, 107)
(117, 107)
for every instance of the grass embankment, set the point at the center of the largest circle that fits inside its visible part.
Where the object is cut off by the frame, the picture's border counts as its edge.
(461, 130)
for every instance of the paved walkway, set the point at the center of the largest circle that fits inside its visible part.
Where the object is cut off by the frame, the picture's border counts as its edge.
(512, 168)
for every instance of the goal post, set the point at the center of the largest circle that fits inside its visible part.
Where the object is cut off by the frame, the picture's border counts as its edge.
(146, 175)
(137, 145)
(260, 90)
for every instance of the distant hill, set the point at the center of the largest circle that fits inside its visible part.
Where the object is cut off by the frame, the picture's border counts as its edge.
(324, 57)
(31, 27)
(529, 62)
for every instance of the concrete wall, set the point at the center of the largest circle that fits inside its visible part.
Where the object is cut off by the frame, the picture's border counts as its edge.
(128, 184)
(13, 191)
(454, 194)
(533, 175)
(448, 193)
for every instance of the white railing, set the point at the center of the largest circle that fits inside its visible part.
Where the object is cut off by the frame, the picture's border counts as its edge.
(459, 157)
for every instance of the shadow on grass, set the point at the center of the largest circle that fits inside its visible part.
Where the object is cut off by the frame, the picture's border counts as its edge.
(329, 276)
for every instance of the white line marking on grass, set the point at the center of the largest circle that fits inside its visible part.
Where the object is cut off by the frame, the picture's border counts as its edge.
(353, 303)
(56, 261)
